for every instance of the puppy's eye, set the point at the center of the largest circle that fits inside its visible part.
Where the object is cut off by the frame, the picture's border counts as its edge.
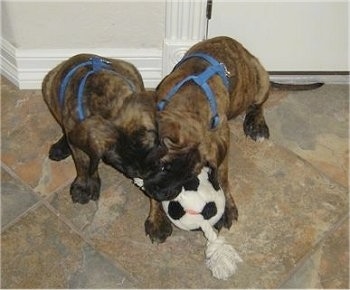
(166, 167)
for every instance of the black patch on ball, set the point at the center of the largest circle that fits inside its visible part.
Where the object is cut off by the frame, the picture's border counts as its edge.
(192, 184)
(175, 210)
(209, 210)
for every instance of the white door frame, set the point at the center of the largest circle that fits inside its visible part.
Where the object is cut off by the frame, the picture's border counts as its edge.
(185, 25)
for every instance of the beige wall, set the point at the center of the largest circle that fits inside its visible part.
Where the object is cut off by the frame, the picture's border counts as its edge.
(83, 24)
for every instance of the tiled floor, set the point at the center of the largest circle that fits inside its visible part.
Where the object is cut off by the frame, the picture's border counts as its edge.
(292, 194)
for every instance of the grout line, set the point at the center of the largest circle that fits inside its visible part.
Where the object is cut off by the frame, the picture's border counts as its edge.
(87, 240)
(307, 162)
(44, 201)
(313, 250)
(314, 167)
(27, 187)
(13, 174)
(21, 215)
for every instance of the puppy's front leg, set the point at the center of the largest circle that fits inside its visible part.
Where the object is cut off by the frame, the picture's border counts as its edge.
(87, 184)
(157, 226)
(59, 150)
(231, 211)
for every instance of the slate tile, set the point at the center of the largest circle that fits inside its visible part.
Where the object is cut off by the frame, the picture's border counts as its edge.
(40, 251)
(16, 198)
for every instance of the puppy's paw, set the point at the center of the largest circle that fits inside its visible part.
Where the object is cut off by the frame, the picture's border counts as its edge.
(60, 150)
(230, 215)
(255, 126)
(82, 191)
(258, 132)
(158, 230)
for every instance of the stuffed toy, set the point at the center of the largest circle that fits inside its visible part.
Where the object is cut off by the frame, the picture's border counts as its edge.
(202, 209)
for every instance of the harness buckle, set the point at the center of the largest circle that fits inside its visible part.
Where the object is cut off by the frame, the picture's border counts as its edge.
(161, 104)
(106, 61)
(227, 73)
(214, 122)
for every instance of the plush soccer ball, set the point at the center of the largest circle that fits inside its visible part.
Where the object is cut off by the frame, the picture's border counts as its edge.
(201, 207)
(191, 207)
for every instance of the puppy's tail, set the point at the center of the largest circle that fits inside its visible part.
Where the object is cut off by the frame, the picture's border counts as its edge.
(296, 87)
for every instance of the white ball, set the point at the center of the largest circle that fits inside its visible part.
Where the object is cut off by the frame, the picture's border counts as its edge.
(191, 207)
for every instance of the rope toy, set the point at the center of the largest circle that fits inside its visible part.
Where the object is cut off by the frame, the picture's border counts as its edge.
(202, 209)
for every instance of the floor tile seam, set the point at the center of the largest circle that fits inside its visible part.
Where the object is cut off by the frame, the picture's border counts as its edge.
(322, 173)
(42, 200)
(60, 187)
(14, 175)
(27, 187)
(68, 183)
(19, 217)
(38, 196)
(309, 163)
(66, 222)
(314, 249)
(85, 239)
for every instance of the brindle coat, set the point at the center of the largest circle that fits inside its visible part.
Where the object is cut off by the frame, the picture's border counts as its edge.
(119, 126)
(187, 144)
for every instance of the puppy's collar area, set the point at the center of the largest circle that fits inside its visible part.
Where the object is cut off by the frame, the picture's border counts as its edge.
(215, 68)
(96, 64)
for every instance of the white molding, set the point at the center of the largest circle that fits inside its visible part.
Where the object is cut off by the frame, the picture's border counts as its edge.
(337, 79)
(185, 25)
(8, 62)
(26, 68)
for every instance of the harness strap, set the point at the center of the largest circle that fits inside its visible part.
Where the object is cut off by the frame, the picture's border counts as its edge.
(97, 64)
(220, 67)
(202, 81)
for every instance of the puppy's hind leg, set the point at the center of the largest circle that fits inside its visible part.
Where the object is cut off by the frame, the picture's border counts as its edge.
(254, 124)
(87, 184)
(59, 150)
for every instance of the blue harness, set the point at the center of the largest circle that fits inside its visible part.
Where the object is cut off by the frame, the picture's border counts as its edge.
(97, 64)
(202, 81)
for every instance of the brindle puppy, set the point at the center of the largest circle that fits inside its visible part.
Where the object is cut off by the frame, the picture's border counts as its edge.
(109, 117)
(193, 134)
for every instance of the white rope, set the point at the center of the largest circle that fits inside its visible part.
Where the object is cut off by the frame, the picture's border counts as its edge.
(222, 258)
(208, 231)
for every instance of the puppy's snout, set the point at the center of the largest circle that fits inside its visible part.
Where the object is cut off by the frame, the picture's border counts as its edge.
(160, 194)
(154, 191)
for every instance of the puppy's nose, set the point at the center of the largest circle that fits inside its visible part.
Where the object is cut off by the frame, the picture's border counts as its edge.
(152, 190)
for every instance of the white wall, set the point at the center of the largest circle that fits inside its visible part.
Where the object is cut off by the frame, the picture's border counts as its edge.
(36, 36)
(152, 34)
(83, 24)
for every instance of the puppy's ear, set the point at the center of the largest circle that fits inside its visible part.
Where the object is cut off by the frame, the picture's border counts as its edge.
(216, 152)
(94, 136)
(169, 142)
(156, 154)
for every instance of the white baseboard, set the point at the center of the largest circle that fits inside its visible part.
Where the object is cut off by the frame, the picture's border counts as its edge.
(331, 78)
(26, 68)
